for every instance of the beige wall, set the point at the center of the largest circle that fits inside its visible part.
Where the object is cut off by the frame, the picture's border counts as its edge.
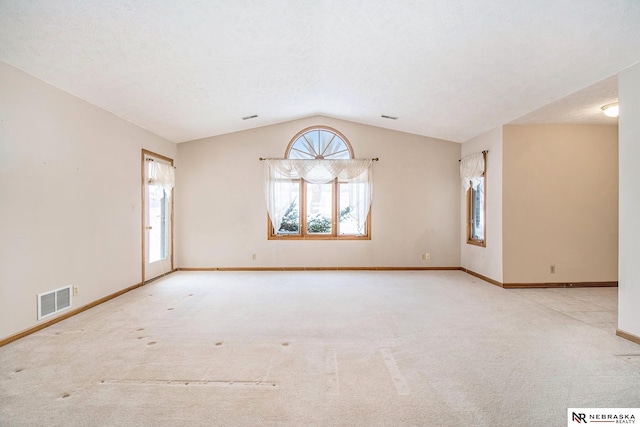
(629, 287)
(222, 217)
(70, 191)
(486, 261)
(560, 203)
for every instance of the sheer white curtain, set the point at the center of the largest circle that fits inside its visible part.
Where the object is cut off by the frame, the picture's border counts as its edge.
(161, 175)
(360, 190)
(472, 170)
(281, 176)
(279, 189)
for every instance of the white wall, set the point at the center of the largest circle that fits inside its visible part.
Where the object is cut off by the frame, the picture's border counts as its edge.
(629, 240)
(486, 261)
(222, 218)
(70, 197)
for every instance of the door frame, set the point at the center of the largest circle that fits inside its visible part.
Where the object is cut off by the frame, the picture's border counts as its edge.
(144, 211)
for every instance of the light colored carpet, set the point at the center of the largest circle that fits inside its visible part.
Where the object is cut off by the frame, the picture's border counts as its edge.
(324, 349)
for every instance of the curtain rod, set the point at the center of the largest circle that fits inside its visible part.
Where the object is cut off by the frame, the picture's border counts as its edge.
(375, 159)
(483, 152)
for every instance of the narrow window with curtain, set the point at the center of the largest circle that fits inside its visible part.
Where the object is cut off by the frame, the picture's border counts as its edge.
(473, 177)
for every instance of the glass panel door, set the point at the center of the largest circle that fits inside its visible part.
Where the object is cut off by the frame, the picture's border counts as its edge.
(157, 247)
(158, 223)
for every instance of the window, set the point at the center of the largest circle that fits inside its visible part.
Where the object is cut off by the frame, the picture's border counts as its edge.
(158, 223)
(314, 208)
(476, 207)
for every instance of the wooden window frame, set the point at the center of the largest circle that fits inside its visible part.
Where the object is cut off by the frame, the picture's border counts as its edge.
(312, 128)
(469, 195)
(335, 211)
(305, 235)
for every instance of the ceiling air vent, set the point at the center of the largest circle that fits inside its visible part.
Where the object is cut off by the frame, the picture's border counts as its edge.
(384, 116)
(53, 302)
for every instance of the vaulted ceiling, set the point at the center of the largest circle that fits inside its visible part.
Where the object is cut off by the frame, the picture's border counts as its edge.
(448, 69)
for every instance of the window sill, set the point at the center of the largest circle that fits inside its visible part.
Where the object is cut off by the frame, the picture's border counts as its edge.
(481, 243)
(297, 237)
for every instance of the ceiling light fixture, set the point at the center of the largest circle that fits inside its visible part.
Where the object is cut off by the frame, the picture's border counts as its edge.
(384, 116)
(611, 110)
(250, 117)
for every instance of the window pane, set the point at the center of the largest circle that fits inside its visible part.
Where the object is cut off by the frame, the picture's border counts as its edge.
(158, 223)
(319, 144)
(291, 218)
(477, 212)
(348, 209)
(319, 197)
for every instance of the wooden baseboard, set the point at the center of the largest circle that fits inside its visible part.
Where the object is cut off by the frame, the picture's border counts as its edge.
(317, 268)
(628, 336)
(480, 276)
(561, 285)
(541, 285)
(66, 315)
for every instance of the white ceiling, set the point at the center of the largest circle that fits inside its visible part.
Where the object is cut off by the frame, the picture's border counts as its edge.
(449, 69)
(581, 107)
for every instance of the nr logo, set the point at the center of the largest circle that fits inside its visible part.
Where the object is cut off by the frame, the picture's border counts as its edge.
(579, 418)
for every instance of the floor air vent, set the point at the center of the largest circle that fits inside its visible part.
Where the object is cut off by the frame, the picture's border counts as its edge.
(54, 301)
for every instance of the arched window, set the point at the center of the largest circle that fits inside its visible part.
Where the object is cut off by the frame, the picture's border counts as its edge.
(319, 143)
(338, 209)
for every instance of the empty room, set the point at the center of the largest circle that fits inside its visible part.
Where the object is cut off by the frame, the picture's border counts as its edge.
(319, 213)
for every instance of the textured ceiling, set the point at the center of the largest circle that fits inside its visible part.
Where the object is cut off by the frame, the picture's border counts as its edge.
(581, 107)
(449, 69)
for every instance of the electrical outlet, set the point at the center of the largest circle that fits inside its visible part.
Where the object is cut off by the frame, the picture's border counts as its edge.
(253, 257)
(75, 291)
(426, 256)
(552, 269)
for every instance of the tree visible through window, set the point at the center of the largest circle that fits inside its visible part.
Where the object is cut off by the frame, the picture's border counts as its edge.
(321, 210)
